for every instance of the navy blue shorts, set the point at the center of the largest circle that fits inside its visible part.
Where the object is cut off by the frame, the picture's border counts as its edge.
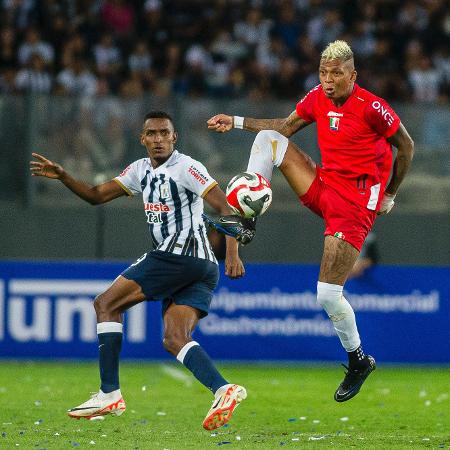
(184, 280)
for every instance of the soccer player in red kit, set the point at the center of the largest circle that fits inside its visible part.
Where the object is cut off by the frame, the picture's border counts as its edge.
(356, 130)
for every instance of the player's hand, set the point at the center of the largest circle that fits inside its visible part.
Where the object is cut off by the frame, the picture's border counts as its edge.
(220, 123)
(386, 204)
(234, 268)
(43, 167)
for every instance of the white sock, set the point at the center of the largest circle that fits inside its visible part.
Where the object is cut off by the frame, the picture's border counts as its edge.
(182, 353)
(112, 394)
(341, 314)
(268, 150)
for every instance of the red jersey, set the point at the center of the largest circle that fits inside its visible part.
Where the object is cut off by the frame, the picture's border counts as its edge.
(356, 156)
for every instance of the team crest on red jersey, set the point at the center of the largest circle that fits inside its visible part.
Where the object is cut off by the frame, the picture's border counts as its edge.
(334, 123)
(334, 120)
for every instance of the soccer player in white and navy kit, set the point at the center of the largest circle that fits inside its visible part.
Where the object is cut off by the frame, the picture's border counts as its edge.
(356, 131)
(182, 270)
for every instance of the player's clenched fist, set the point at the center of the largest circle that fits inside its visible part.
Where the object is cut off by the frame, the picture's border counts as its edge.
(220, 123)
(44, 167)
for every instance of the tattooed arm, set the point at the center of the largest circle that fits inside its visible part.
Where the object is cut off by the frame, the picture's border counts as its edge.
(287, 126)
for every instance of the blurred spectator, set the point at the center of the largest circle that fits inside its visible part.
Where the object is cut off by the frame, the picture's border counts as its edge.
(8, 57)
(425, 81)
(35, 78)
(7, 80)
(254, 30)
(140, 59)
(118, 16)
(77, 79)
(107, 55)
(33, 44)
(18, 13)
(287, 26)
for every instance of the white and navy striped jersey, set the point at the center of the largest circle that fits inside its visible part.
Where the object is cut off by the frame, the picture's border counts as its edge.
(173, 203)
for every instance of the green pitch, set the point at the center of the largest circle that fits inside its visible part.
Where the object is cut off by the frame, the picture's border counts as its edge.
(289, 407)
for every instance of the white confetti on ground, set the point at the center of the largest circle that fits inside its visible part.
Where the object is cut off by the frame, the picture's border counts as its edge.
(92, 442)
(344, 419)
(103, 435)
(302, 418)
(161, 413)
(38, 403)
(97, 418)
(238, 438)
(316, 438)
(56, 434)
(427, 403)
(295, 439)
(442, 397)
(316, 421)
(425, 439)
(422, 394)
(213, 434)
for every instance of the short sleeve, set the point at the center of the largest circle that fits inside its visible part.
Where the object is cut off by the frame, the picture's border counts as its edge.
(196, 178)
(129, 180)
(381, 118)
(305, 107)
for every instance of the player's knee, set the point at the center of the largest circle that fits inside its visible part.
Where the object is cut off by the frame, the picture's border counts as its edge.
(274, 143)
(329, 296)
(173, 342)
(102, 307)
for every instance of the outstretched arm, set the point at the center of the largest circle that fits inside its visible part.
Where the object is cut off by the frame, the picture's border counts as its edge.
(405, 152)
(233, 264)
(287, 126)
(94, 195)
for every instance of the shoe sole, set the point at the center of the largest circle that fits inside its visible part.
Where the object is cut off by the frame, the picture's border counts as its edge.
(223, 415)
(355, 391)
(112, 409)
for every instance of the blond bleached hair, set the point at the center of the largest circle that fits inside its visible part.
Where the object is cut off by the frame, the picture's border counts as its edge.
(337, 50)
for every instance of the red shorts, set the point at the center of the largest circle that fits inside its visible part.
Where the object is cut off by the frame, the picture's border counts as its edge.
(343, 219)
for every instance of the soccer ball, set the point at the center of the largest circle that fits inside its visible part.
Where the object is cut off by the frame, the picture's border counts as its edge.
(249, 194)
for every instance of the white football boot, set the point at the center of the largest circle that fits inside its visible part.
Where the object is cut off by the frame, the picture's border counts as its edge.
(226, 400)
(100, 404)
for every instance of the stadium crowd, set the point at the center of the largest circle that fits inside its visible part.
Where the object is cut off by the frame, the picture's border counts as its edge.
(256, 49)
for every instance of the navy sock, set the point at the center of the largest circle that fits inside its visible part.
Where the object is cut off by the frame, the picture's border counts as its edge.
(356, 358)
(202, 367)
(109, 346)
